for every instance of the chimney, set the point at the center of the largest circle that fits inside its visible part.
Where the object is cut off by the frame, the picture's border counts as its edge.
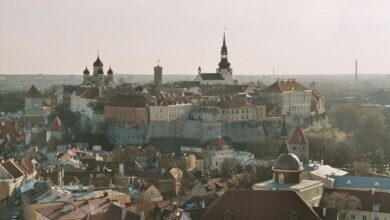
(356, 71)
(124, 210)
(203, 204)
(322, 162)
(324, 212)
(92, 209)
(121, 169)
(372, 191)
(142, 216)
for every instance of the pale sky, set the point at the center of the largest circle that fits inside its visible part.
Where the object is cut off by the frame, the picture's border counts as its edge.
(294, 36)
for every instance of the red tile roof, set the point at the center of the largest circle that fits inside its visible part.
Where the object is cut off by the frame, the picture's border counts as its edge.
(361, 158)
(91, 93)
(174, 100)
(8, 127)
(33, 93)
(218, 144)
(285, 86)
(298, 137)
(130, 101)
(57, 125)
(80, 90)
(260, 204)
(115, 212)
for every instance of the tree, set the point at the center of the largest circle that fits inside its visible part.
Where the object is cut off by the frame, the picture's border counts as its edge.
(344, 116)
(369, 131)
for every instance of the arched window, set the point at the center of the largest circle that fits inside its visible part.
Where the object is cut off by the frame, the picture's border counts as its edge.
(227, 215)
(293, 215)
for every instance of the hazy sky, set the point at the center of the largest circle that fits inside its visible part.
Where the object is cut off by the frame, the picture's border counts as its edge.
(294, 36)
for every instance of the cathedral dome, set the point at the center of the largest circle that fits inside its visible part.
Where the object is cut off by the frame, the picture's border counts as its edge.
(86, 71)
(288, 161)
(98, 62)
(110, 72)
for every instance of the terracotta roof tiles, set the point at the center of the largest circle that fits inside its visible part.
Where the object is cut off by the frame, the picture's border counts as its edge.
(33, 93)
(56, 126)
(91, 93)
(285, 86)
(260, 204)
(298, 137)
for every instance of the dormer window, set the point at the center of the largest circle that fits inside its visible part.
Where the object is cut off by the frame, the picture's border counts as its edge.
(376, 207)
(293, 215)
(352, 205)
(227, 215)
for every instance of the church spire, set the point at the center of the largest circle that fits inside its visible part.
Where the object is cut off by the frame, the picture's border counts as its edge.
(224, 64)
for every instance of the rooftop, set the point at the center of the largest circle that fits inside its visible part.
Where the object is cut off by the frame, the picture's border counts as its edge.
(211, 76)
(33, 93)
(289, 85)
(364, 200)
(270, 184)
(361, 182)
(259, 204)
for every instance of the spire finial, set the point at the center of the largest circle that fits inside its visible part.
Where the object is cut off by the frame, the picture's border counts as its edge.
(283, 138)
(224, 42)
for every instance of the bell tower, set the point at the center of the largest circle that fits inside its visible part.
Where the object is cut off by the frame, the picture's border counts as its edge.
(224, 65)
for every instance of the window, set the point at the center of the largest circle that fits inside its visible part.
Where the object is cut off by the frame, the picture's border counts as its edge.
(293, 215)
(376, 218)
(281, 178)
(352, 205)
(353, 216)
(376, 207)
(227, 215)
(364, 217)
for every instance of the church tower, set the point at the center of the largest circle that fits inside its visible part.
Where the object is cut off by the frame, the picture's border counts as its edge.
(224, 65)
(288, 167)
(158, 75)
(86, 75)
(98, 67)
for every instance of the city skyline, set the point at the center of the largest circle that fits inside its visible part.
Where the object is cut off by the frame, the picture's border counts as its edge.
(304, 37)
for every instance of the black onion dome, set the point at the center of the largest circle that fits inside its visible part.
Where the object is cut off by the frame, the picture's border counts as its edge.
(98, 62)
(86, 71)
(288, 161)
(110, 72)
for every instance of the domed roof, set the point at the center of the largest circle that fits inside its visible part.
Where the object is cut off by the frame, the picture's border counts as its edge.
(100, 72)
(86, 71)
(218, 144)
(98, 63)
(288, 161)
(110, 72)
